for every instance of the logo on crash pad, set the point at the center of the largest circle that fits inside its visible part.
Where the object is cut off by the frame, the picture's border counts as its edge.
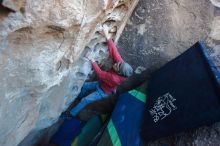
(163, 107)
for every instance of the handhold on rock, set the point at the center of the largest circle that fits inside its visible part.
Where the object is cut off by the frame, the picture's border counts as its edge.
(216, 3)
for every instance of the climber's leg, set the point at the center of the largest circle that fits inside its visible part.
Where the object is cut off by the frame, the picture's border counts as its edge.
(87, 88)
(97, 95)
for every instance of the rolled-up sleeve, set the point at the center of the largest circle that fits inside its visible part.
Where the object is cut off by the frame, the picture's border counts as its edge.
(100, 73)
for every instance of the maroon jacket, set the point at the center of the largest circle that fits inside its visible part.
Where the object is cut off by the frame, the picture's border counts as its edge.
(109, 80)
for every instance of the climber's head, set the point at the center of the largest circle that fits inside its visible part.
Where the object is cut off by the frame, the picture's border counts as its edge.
(123, 68)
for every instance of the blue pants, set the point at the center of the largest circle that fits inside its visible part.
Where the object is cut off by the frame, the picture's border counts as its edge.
(93, 92)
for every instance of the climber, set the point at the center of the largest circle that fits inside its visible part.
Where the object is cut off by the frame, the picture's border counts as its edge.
(108, 80)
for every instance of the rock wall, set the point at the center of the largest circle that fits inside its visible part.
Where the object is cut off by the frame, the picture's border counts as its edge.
(158, 31)
(216, 3)
(42, 68)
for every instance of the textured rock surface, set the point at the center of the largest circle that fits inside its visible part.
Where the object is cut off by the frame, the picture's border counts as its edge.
(216, 3)
(157, 32)
(215, 33)
(41, 68)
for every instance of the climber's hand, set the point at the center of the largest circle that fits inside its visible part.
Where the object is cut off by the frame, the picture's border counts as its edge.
(105, 32)
(92, 60)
